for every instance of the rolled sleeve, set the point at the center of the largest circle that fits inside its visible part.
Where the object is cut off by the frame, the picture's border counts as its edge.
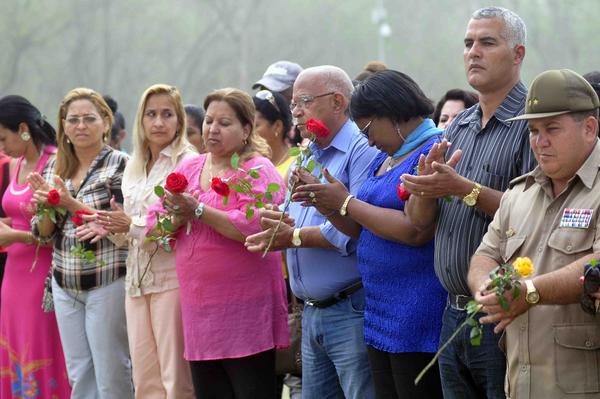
(345, 245)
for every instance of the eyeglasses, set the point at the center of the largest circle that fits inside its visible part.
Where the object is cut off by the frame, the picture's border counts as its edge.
(306, 99)
(365, 130)
(267, 96)
(76, 120)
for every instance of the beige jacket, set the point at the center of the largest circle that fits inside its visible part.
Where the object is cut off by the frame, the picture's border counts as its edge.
(138, 193)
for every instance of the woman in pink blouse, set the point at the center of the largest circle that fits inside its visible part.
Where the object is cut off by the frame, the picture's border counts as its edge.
(233, 302)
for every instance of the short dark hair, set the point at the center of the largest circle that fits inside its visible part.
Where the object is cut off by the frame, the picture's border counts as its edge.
(15, 110)
(271, 114)
(469, 98)
(196, 113)
(593, 78)
(390, 94)
(579, 116)
(111, 102)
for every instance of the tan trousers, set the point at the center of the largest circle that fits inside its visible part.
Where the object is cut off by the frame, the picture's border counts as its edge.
(155, 337)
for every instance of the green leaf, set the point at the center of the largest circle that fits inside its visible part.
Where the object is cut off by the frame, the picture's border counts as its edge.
(472, 307)
(167, 246)
(62, 211)
(168, 225)
(310, 166)
(52, 215)
(89, 256)
(448, 199)
(259, 205)
(237, 188)
(249, 213)
(503, 302)
(158, 190)
(225, 199)
(516, 290)
(471, 322)
(294, 152)
(235, 161)
(475, 336)
(593, 262)
(273, 188)
(254, 174)
(269, 196)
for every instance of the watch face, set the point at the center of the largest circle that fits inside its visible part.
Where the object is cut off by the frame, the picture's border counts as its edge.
(469, 201)
(296, 242)
(533, 297)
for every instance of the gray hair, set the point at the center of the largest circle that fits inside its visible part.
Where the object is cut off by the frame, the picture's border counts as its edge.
(333, 79)
(515, 31)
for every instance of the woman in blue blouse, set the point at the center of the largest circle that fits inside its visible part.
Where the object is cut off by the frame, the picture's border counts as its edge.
(404, 300)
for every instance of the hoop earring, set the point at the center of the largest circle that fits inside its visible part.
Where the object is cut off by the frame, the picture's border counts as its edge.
(25, 136)
(245, 141)
(68, 141)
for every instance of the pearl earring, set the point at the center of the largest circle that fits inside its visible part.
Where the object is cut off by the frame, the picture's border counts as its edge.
(25, 136)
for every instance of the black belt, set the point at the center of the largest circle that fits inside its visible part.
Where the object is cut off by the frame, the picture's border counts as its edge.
(459, 302)
(343, 294)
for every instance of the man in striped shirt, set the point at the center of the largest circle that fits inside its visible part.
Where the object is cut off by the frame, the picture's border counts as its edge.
(486, 153)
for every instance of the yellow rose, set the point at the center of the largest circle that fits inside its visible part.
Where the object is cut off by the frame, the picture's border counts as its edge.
(523, 266)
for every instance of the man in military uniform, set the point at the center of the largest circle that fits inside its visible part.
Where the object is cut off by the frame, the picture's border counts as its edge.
(551, 216)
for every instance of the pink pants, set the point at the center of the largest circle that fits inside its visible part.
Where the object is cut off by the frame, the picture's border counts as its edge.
(156, 343)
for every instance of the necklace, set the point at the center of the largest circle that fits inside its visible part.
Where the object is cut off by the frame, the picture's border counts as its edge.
(391, 163)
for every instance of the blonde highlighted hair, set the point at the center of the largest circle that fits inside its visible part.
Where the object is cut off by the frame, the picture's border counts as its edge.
(141, 151)
(66, 159)
(243, 106)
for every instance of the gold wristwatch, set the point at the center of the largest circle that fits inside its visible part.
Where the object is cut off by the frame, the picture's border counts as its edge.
(296, 241)
(344, 208)
(533, 296)
(471, 198)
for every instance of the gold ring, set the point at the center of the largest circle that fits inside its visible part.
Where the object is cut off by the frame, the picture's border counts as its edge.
(311, 195)
(422, 193)
(314, 200)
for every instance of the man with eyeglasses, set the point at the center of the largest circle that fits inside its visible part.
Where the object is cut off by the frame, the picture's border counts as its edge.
(322, 261)
(551, 216)
(494, 152)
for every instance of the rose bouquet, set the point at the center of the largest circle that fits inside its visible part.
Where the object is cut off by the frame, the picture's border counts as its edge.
(504, 278)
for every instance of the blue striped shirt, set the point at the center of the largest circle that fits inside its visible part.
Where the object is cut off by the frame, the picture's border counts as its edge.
(492, 157)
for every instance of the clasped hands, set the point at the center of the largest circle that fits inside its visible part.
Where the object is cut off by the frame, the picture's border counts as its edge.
(437, 178)
(309, 191)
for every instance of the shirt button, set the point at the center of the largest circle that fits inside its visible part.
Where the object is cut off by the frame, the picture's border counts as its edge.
(588, 344)
(523, 327)
(523, 369)
(569, 247)
(540, 249)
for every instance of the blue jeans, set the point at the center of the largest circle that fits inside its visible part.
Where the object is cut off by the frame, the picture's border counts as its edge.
(334, 355)
(93, 333)
(470, 371)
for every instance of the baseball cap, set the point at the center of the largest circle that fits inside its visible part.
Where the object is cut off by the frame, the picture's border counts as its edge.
(557, 92)
(279, 76)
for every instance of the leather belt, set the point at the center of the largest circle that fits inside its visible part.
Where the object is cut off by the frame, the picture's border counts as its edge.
(339, 296)
(459, 302)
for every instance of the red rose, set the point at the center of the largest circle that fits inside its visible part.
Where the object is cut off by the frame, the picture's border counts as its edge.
(53, 197)
(220, 187)
(317, 127)
(176, 183)
(402, 193)
(77, 219)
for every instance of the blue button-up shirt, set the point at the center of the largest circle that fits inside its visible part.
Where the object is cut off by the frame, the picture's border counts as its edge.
(318, 273)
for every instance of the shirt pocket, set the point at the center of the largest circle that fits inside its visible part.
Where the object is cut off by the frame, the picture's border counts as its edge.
(511, 246)
(569, 242)
(495, 178)
(577, 357)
